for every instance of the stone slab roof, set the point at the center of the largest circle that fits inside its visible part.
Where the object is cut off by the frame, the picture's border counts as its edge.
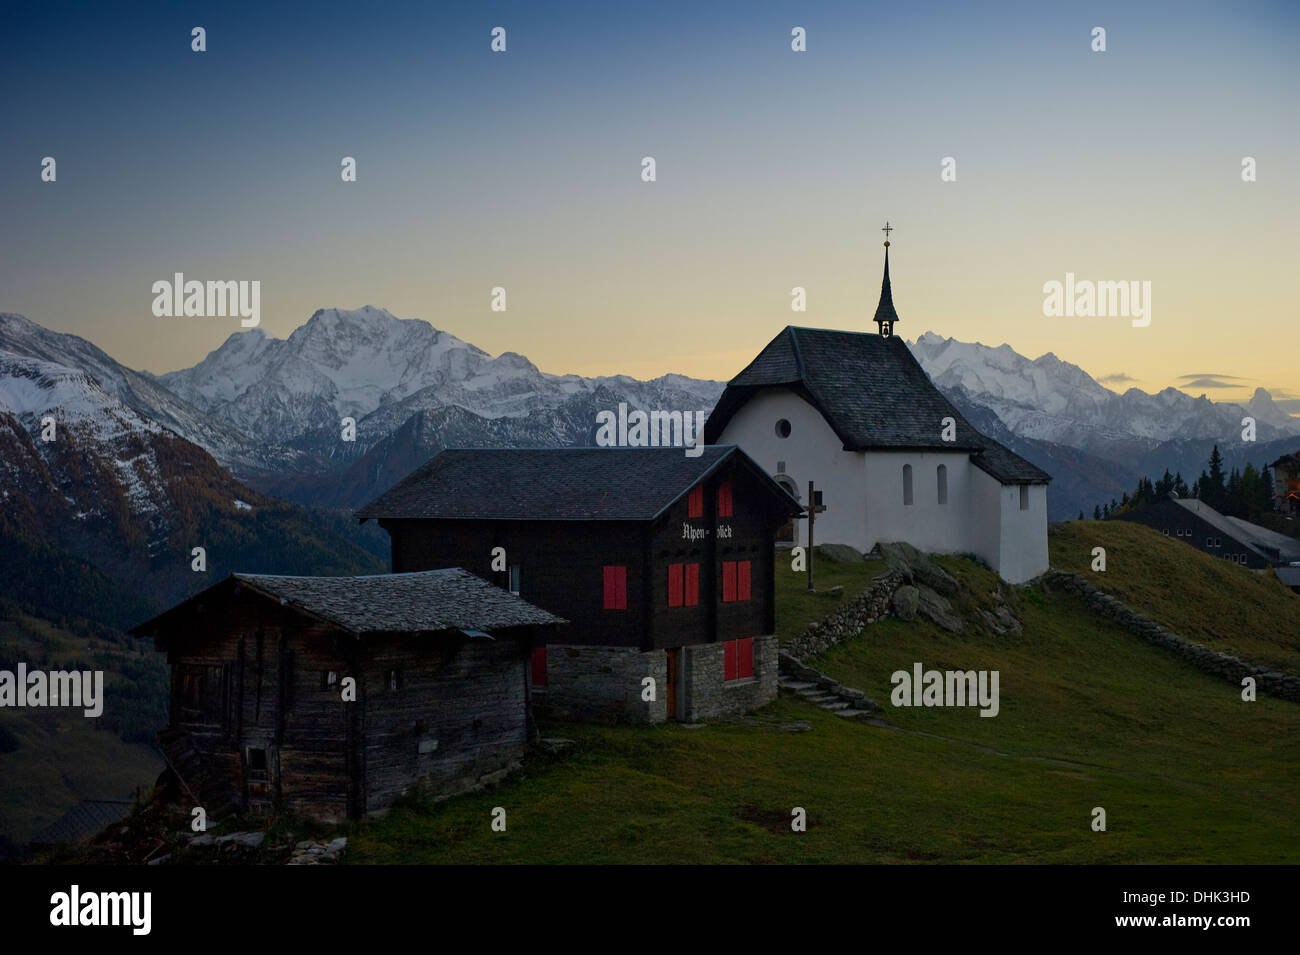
(423, 602)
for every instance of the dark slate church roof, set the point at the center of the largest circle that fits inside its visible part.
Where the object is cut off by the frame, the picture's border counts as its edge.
(557, 484)
(872, 392)
(430, 600)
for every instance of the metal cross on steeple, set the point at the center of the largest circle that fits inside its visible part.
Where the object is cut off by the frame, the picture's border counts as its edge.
(885, 314)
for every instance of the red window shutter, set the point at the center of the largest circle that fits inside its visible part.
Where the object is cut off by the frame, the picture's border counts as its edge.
(742, 580)
(692, 585)
(744, 658)
(674, 585)
(615, 588)
(725, 507)
(695, 503)
(728, 581)
(539, 666)
(729, 660)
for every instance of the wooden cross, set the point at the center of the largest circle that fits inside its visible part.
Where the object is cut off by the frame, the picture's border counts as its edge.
(815, 507)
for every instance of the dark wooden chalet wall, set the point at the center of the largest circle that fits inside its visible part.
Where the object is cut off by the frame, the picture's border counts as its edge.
(753, 532)
(560, 564)
(468, 699)
(259, 666)
(561, 567)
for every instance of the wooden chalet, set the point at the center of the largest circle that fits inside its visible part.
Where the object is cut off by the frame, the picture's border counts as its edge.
(1196, 523)
(662, 562)
(328, 696)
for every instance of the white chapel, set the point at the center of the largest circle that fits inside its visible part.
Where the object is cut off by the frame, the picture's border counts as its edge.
(893, 460)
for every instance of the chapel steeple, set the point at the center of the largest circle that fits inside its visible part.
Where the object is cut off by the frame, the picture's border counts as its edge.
(885, 314)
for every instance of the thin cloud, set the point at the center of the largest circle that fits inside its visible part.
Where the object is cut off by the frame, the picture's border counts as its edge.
(1119, 378)
(1209, 381)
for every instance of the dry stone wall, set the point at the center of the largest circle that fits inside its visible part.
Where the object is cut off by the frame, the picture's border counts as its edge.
(1203, 658)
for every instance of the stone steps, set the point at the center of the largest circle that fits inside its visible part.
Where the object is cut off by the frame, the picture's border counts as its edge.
(830, 696)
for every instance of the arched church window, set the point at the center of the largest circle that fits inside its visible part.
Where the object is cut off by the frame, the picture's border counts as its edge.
(943, 483)
(907, 484)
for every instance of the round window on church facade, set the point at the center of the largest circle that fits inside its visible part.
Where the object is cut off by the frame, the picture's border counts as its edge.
(783, 428)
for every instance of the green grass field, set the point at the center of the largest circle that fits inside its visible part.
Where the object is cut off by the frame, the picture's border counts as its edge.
(1090, 716)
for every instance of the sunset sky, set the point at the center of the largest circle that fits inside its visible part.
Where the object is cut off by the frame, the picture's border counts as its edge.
(775, 169)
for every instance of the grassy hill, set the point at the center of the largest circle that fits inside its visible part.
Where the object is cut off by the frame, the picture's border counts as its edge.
(1090, 716)
(1202, 598)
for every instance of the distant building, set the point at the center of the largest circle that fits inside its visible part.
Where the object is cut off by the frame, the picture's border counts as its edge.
(1286, 483)
(262, 668)
(663, 562)
(855, 413)
(1196, 523)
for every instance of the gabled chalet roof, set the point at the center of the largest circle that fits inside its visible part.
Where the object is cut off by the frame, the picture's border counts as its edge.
(1287, 461)
(559, 484)
(427, 601)
(872, 392)
(1288, 548)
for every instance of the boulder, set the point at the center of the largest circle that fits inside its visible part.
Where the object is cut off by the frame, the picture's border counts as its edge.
(906, 599)
(840, 553)
(916, 567)
(938, 610)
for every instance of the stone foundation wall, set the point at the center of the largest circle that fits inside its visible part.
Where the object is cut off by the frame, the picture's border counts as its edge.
(707, 695)
(602, 684)
(1213, 662)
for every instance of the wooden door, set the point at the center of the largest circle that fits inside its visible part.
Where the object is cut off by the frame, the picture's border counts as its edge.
(670, 692)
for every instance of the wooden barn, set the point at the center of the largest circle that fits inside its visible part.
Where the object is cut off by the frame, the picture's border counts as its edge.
(329, 696)
(662, 562)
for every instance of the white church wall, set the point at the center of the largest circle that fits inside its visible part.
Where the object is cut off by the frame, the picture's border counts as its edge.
(925, 523)
(1013, 541)
(1024, 534)
(812, 452)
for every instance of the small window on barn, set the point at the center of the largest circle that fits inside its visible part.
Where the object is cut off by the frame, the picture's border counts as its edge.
(907, 485)
(539, 666)
(615, 587)
(942, 477)
(726, 504)
(1209, 542)
(783, 428)
(393, 678)
(1218, 542)
(515, 574)
(695, 503)
(692, 586)
(256, 762)
(1024, 497)
(329, 679)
